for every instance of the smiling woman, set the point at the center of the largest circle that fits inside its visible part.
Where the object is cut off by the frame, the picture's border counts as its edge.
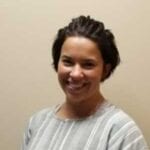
(80, 70)
(84, 55)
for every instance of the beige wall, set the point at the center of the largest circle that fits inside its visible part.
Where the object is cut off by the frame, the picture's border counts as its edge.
(27, 80)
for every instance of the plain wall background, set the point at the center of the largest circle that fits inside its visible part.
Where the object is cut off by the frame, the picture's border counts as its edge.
(27, 81)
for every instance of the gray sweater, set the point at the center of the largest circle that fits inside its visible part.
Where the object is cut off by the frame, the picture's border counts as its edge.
(108, 129)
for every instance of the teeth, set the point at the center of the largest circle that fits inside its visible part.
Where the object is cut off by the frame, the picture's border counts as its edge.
(76, 85)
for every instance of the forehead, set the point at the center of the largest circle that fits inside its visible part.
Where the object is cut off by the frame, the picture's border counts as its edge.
(80, 46)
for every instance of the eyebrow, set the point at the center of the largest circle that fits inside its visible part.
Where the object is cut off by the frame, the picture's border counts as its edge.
(83, 60)
(65, 56)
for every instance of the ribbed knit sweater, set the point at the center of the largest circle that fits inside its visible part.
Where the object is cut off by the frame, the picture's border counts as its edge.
(109, 128)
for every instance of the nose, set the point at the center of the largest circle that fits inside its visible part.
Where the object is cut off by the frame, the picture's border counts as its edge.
(76, 72)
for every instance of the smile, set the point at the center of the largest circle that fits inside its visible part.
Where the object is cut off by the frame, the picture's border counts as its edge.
(75, 87)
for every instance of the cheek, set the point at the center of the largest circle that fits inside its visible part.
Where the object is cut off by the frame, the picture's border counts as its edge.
(61, 77)
(95, 75)
(62, 71)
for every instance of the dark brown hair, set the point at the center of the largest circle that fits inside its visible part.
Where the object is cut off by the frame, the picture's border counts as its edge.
(94, 30)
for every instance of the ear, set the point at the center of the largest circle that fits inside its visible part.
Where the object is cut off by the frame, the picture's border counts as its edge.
(106, 71)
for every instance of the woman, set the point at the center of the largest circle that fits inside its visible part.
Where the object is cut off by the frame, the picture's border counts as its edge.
(84, 55)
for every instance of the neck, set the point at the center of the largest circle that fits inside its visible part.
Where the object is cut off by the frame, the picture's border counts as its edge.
(80, 110)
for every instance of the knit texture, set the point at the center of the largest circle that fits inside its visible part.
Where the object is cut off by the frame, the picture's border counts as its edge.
(108, 129)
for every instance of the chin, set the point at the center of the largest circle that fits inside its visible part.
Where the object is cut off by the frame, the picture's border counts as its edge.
(75, 99)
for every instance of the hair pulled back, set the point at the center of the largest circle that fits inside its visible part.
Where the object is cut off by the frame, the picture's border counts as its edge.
(94, 30)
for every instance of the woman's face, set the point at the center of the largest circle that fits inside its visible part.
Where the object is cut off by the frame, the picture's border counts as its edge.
(80, 69)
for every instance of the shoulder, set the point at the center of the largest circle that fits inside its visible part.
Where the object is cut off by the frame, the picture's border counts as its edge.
(39, 117)
(34, 123)
(118, 120)
(113, 115)
(122, 130)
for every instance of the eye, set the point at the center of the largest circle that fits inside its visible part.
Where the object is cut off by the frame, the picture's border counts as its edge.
(88, 65)
(67, 62)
